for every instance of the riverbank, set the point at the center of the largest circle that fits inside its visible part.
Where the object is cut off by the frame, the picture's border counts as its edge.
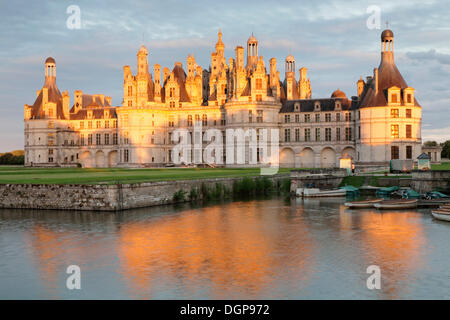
(117, 197)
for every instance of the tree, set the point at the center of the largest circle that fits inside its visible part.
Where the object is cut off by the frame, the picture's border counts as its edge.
(445, 149)
(430, 143)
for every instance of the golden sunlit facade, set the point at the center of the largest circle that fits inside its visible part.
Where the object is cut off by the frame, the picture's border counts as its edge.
(381, 123)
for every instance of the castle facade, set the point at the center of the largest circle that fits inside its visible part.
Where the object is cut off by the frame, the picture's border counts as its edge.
(382, 122)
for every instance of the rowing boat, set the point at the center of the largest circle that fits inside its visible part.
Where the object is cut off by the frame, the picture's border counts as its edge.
(397, 204)
(362, 204)
(439, 214)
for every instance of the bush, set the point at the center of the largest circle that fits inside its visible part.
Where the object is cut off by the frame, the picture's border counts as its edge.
(193, 194)
(285, 185)
(218, 191)
(206, 194)
(179, 196)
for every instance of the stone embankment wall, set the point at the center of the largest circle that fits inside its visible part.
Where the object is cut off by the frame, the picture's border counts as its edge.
(425, 181)
(104, 197)
(317, 178)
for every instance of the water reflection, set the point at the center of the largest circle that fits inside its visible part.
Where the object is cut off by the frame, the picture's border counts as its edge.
(314, 248)
(238, 249)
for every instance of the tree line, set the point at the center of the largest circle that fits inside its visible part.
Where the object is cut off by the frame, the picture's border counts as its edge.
(15, 157)
(445, 147)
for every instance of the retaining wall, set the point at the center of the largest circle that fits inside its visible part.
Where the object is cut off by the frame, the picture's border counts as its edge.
(104, 197)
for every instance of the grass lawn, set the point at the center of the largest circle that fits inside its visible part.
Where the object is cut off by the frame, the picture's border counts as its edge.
(16, 174)
(442, 166)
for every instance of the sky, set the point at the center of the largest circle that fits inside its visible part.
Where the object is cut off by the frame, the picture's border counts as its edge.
(331, 38)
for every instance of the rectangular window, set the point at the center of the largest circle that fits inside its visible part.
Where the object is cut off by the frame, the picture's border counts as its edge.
(98, 139)
(204, 120)
(348, 134)
(327, 117)
(297, 118)
(81, 125)
(327, 134)
(287, 135)
(125, 138)
(394, 98)
(317, 134)
(115, 124)
(348, 116)
(258, 84)
(408, 113)
(338, 134)
(258, 97)
(394, 152)
(250, 116)
(307, 134)
(115, 138)
(89, 124)
(126, 155)
(82, 139)
(408, 131)
(189, 121)
(90, 139)
(130, 90)
(106, 124)
(408, 152)
(394, 131)
(409, 98)
(106, 138)
(317, 117)
(287, 118)
(259, 116)
(99, 124)
(297, 135)
(338, 117)
(394, 113)
(307, 118)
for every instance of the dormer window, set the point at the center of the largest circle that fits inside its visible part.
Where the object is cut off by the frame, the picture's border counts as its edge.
(338, 105)
(317, 106)
(297, 106)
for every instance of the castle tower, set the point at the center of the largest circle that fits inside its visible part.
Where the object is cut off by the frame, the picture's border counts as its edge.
(360, 86)
(387, 93)
(142, 61)
(50, 69)
(252, 52)
(220, 47)
(290, 77)
(304, 84)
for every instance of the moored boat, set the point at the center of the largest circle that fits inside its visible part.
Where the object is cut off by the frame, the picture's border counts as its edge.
(439, 214)
(362, 204)
(315, 192)
(397, 204)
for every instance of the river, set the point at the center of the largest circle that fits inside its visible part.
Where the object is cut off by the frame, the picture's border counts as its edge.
(257, 249)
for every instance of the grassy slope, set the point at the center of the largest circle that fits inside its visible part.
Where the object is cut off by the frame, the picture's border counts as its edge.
(115, 175)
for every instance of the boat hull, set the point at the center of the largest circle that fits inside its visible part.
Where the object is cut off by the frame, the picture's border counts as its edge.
(441, 215)
(396, 205)
(362, 204)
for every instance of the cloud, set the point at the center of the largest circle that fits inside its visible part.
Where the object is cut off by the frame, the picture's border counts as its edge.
(430, 55)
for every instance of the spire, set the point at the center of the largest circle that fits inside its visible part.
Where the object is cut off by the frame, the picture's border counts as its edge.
(220, 47)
